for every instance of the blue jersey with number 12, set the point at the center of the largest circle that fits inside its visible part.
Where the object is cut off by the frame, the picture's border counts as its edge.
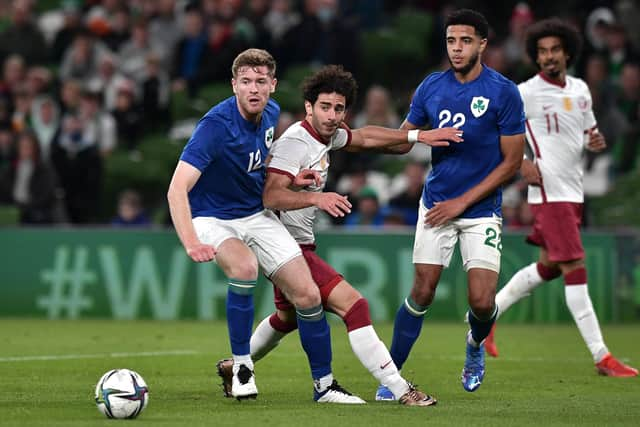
(230, 152)
(484, 108)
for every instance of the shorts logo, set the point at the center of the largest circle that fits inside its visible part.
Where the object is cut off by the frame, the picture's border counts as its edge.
(268, 137)
(479, 105)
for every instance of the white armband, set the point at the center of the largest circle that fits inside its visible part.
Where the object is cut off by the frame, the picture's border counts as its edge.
(412, 136)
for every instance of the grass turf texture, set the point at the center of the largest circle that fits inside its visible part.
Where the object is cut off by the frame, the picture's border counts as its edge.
(543, 376)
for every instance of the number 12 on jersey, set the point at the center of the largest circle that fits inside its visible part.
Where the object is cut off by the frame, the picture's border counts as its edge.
(255, 161)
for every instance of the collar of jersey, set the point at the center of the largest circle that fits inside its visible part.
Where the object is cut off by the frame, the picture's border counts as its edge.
(305, 124)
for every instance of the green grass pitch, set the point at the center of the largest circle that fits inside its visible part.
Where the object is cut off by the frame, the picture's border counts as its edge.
(544, 376)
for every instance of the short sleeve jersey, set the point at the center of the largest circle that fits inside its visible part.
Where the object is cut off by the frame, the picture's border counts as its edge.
(230, 152)
(558, 119)
(485, 109)
(300, 147)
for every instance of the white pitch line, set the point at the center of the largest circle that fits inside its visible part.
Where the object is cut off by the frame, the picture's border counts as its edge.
(98, 356)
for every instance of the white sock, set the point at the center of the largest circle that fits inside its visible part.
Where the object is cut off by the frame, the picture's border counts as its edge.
(581, 309)
(244, 359)
(323, 383)
(373, 354)
(264, 339)
(518, 287)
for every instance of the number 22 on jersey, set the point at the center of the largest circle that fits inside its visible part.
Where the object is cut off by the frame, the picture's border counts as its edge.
(445, 117)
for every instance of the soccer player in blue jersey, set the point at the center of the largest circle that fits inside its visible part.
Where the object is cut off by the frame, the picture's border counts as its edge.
(462, 194)
(215, 199)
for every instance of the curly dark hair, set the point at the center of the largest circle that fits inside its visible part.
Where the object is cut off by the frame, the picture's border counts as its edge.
(469, 17)
(554, 27)
(329, 79)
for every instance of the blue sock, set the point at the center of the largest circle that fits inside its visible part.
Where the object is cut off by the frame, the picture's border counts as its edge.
(240, 314)
(480, 328)
(316, 339)
(406, 330)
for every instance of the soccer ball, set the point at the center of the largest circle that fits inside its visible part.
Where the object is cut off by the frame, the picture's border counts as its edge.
(121, 393)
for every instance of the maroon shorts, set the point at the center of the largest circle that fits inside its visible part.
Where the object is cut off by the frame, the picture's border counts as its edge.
(557, 229)
(323, 274)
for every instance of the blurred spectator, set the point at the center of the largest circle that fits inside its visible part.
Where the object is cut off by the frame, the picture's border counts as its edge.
(221, 48)
(321, 37)
(45, 122)
(156, 95)
(393, 218)
(286, 119)
(514, 48)
(628, 102)
(13, 75)
(368, 213)
(411, 183)
(7, 159)
(256, 13)
(377, 110)
(360, 176)
(34, 185)
(619, 50)
(99, 18)
(187, 55)
(133, 54)
(128, 119)
(39, 80)
(165, 29)
(280, 18)
(108, 80)
(70, 96)
(21, 108)
(80, 61)
(71, 26)
(119, 29)
(23, 37)
(131, 212)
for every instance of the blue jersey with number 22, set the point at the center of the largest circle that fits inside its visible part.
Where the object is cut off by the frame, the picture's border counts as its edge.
(484, 108)
(230, 152)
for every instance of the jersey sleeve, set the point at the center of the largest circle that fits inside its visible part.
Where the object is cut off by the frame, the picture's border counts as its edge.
(418, 114)
(523, 89)
(589, 118)
(341, 139)
(511, 114)
(204, 144)
(287, 156)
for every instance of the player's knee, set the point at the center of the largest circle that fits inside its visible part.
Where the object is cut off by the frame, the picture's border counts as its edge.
(306, 296)
(244, 271)
(424, 289)
(482, 307)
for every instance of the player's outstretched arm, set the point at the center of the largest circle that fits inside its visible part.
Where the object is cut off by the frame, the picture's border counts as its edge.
(278, 195)
(380, 138)
(184, 178)
(512, 147)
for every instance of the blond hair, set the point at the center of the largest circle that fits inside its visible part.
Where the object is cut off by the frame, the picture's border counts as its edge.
(254, 58)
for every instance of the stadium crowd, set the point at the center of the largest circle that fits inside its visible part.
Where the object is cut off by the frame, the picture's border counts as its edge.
(83, 79)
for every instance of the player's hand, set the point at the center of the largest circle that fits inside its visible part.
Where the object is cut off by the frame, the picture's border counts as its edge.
(307, 177)
(442, 212)
(531, 173)
(201, 252)
(334, 204)
(440, 137)
(596, 141)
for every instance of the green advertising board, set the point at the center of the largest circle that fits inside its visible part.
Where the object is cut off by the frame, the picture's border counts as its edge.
(145, 274)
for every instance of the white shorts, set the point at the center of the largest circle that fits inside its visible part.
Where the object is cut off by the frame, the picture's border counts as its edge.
(262, 232)
(480, 242)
